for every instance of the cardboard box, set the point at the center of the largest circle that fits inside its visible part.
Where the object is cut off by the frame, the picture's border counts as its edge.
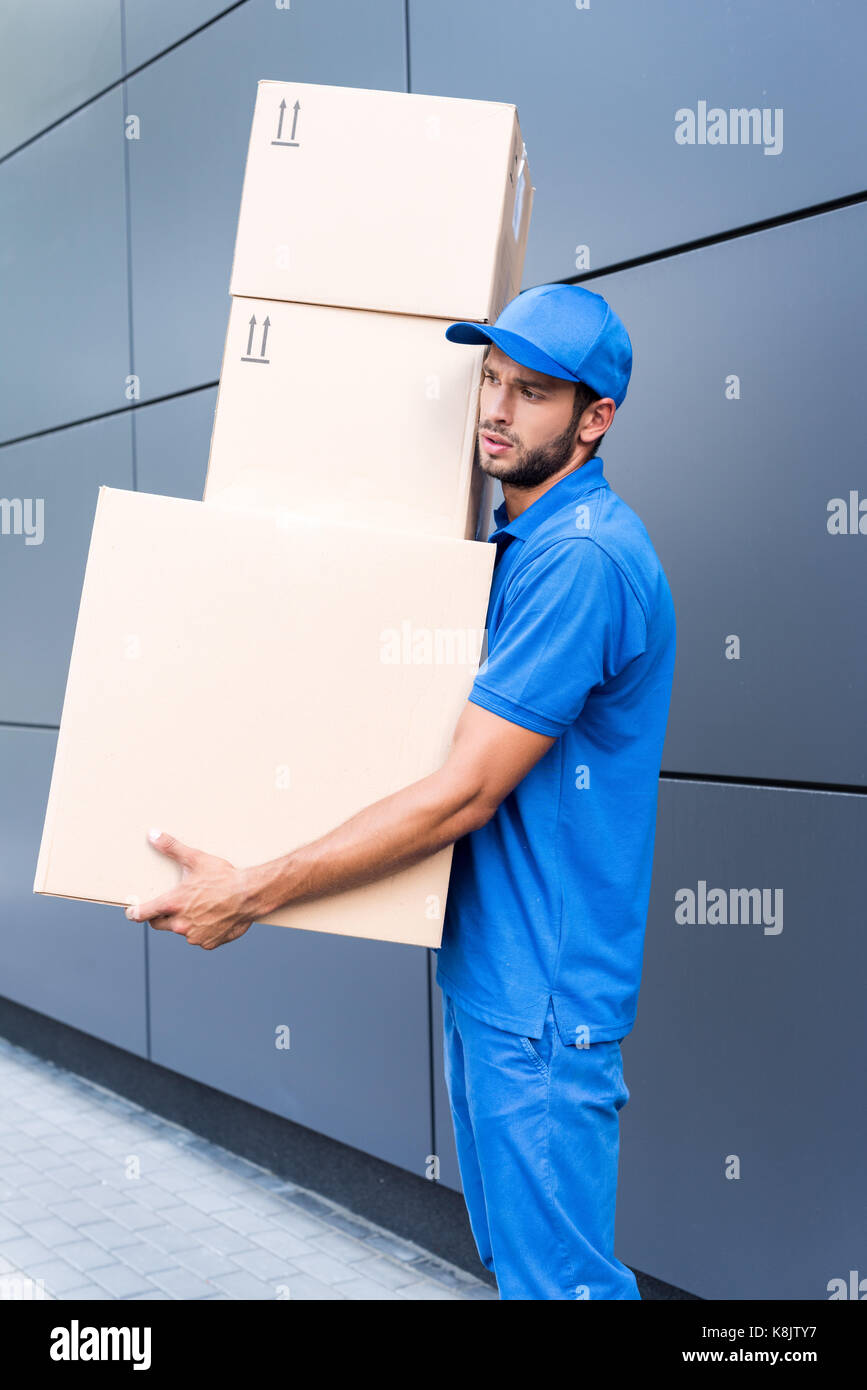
(248, 681)
(383, 200)
(347, 414)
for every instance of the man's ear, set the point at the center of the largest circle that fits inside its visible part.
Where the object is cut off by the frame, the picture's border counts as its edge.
(606, 408)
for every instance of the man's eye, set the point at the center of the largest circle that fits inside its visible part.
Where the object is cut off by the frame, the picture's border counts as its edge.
(530, 395)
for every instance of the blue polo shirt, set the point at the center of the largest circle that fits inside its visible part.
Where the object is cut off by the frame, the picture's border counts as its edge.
(549, 898)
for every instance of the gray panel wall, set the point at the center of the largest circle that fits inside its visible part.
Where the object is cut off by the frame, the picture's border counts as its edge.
(82, 963)
(172, 442)
(353, 1013)
(597, 90)
(51, 483)
(63, 280)
(53, 57)
(741, 427)
(151, 26)
(749, 1046)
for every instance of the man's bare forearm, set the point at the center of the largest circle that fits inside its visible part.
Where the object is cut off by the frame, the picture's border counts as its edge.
(389, 835)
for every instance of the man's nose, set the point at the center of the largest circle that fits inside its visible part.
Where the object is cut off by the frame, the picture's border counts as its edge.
(497, 405)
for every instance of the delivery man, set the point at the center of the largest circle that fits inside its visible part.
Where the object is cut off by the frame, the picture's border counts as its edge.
(549, 793)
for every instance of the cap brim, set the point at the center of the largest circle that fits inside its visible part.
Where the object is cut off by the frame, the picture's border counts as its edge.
(512, 344)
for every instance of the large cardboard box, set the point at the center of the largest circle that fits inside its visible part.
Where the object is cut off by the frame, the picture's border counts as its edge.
(383, 200)
(347, 414)
(247, 681)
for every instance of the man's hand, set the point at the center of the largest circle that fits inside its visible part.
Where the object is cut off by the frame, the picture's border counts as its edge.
(207, 906)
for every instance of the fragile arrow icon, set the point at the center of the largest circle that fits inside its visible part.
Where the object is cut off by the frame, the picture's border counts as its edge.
(291, 140)
(266, 324)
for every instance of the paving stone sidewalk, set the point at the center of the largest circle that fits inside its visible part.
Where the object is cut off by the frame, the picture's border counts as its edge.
(102, 1199)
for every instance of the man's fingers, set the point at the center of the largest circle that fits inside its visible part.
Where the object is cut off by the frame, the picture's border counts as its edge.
(175, 849)
(164, 923)
(162, 906)
(179, 925)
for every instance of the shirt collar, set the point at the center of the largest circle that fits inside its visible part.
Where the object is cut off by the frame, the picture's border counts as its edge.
(567, 489)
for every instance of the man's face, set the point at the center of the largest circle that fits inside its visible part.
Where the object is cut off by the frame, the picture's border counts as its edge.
(526, 429)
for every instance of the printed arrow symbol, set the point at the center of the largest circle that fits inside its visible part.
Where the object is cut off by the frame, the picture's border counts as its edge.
(266, 324)
(280, 122)
(250, 339)
(296, 108)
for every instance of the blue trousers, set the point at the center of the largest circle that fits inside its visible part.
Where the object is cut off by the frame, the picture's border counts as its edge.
(537, 1131)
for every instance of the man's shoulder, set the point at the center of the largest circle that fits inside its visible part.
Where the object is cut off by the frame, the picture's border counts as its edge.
(601, 515)
(600, 529)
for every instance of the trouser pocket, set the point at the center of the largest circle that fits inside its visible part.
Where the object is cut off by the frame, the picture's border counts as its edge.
(540, 1049)
(529, 1046)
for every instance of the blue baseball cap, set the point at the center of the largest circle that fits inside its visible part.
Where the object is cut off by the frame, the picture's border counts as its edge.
(564, 331)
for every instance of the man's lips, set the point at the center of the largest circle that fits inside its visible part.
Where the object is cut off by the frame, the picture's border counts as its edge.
(493, 444)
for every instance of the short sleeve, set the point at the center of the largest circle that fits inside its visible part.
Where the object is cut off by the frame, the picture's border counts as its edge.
(571, 622)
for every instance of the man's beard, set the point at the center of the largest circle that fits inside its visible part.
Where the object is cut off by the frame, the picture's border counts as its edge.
(531, 466)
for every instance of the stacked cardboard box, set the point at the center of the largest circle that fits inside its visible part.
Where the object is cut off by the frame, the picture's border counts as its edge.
(400, 213)
(251, 670)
